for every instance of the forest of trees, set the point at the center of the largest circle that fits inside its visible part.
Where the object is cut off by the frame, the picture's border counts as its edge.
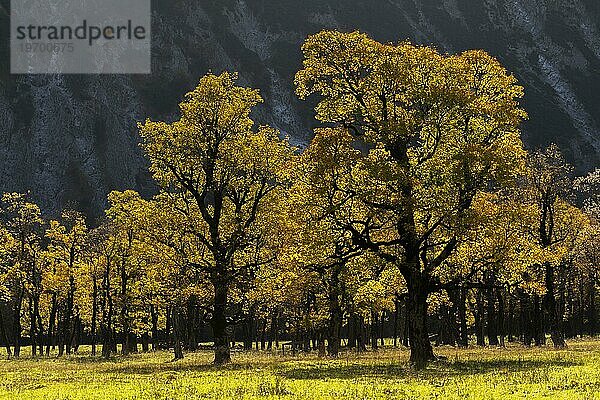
(415, 214)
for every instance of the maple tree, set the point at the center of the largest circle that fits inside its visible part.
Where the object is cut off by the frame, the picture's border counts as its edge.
(441, 128)
(220, 173)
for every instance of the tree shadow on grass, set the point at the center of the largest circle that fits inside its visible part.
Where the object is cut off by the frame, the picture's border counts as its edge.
(403, 370)
(174, 367)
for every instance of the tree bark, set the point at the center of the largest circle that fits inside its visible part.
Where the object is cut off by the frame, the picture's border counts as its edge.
(177, 346)
(551, 310)
(219, 324)
(510, 324)
(492, 328)
(154, 318)
(361, 334)
(396, 318)
(3, 335)
(478, 314)
(192, 324)
(538, 322)
(374, 325)
(32, 327)
(68, 323)
(335, 317)
(94, 314)
(500, 316)
(421, 350)
(591, 314)
(52, 324)
(462, 316)
(249, 330)
(17, 323)
(263, 334)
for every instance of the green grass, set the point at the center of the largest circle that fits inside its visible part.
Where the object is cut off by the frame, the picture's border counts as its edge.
(512, 373)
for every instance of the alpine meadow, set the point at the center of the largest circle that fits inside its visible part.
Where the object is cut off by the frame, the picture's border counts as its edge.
(415, 247)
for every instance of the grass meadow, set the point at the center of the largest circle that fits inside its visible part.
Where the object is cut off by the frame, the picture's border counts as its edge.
(499, 373)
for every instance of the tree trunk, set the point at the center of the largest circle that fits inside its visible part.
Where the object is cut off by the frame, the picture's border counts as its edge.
(361, 334)
(145, 342)
(406, 325)
(69, 326)
(219, 324)
(107, 312)
(192, 324)
(420, 347)
(462, 316)
(492, 332)
(525, 319)
(374, 325)
(263, 334)
(500, 315)
(52, 324)
(335, 317)
(177, 346)
(78, 333)
(479, 311)
(382, 328)
(94, 313)
(32, 327)
(551, 311)
(274, 331)
(154, 317)
(61, 331)
(249, 330)
(511, 318)
(321, 344)
(17, 323)
(492, 327)
(396, 318)
(352, 331)
(538, 322)
(592, 305)
(3, 335)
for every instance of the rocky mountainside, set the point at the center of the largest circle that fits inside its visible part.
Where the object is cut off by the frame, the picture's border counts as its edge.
(71, 139)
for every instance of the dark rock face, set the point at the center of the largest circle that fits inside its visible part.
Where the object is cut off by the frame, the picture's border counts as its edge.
(72, 139)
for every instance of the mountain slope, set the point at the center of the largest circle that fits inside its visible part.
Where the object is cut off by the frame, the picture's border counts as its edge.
(71, 139)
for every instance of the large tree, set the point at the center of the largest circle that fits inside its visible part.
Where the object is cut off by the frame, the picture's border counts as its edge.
(438, 129)
(220, 173)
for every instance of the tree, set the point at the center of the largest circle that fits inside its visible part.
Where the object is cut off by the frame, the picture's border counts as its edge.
(548, 183)
(321, 197)
(589, 187)
(493, 256)
(67, 246)
(7, 246)
(24, 226)
(127, 208)
(439, 129)
(220, 173)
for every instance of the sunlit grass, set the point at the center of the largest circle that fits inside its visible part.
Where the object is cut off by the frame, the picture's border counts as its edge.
(511, 373)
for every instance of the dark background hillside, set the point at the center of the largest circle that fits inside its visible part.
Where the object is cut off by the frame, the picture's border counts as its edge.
(72, 139)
